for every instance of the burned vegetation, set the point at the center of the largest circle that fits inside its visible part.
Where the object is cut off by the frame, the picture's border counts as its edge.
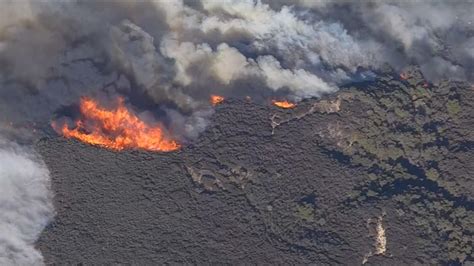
(378, 174)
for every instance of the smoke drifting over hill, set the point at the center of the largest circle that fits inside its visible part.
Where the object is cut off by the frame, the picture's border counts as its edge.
(171, 55)
(167, 57)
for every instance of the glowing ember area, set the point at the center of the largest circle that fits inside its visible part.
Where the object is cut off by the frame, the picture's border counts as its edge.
(216, 99)
(116, 129)
(284, 104)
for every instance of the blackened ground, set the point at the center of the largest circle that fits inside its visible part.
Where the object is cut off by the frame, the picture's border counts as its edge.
(270, 186)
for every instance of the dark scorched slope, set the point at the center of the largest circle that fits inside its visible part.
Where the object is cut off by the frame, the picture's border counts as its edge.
(271, 186)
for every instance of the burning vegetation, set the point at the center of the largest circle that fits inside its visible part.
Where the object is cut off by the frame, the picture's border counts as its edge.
(284, 104)
(116, 129)
(216, 99)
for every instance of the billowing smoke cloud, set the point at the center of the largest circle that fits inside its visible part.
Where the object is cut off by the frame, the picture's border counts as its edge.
(25, 204)
(167, 57)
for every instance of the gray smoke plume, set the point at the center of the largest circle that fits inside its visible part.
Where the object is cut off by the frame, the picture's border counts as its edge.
(167, 57)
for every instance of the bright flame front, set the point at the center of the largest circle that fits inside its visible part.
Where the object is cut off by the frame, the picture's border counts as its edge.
(116, 129)
(284, 104)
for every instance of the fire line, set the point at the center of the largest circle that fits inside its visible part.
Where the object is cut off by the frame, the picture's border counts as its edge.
(116, 129)
(284, 104)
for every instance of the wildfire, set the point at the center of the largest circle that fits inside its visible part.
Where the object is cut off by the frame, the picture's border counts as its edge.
(216, 99)
(284, 104)
(116, 129)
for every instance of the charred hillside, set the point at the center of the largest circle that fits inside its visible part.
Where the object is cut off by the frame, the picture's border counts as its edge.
(378, 175)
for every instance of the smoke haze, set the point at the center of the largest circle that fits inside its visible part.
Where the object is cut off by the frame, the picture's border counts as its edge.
(167, 57)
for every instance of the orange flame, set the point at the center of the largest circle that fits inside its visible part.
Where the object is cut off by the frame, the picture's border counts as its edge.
(284, 104)
(404, 76)
(116, 129)
(216, 99)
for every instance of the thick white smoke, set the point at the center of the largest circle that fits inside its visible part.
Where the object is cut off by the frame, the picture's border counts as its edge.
(25, 204)
(176, 53)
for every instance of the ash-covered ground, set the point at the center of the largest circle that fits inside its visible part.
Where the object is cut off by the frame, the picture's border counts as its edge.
(380, 174)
